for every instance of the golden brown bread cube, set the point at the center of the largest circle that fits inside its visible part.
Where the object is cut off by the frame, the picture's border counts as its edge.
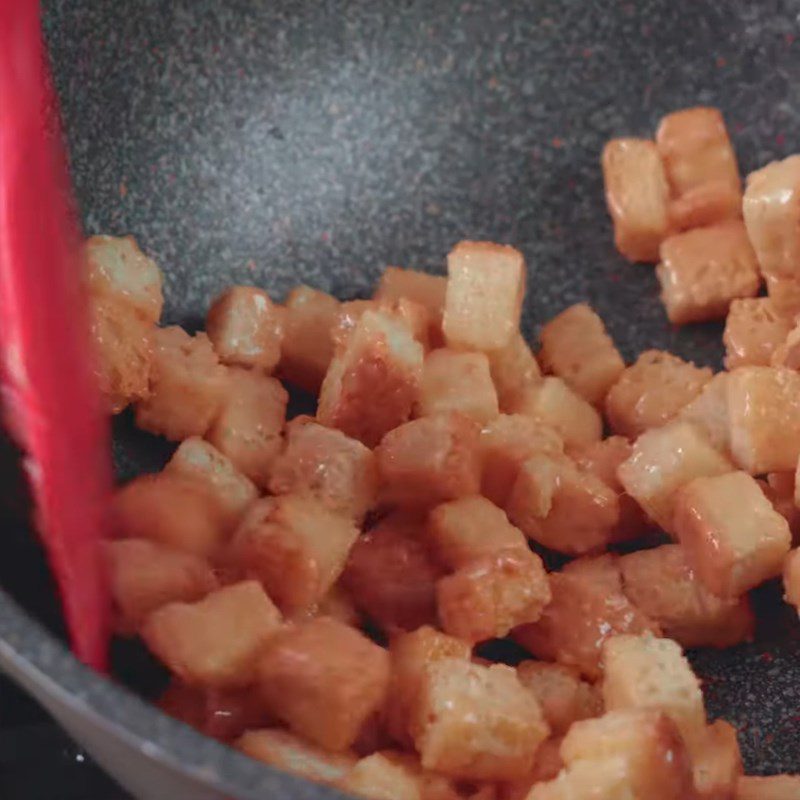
(476, 723)
(561, 507)
(706, 204)
(307, 344)
(564, 697)
(338, 604)
(379, 777)
(413, 315)
(347, 317)
(663, 460)
(708, 411)
(703, 270)
(455, 381)
(553, 403)
(780, 491)
(660, 582)
(490, 595)
(732, 536)
(514, 368)
(215, 641)
(717, 762)
(246, 328)
(764, 418)
(791, 579)
(373, 382)
(144, 576)
(483, 302)
(430, 460)
(787, 354)
(324, 680)
(775, 787)
(116, 266)
(187, 384)
(295, 546)
(784, 294)
(598, 779)
(576, 348)
(637, 194)
(754, 330)
(652, 391)
(587, 607)
(337, 470)
(419, 287)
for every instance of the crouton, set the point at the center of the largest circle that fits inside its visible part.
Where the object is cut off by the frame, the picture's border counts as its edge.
(703, 270)
(347, 317)
(601, 779)
(637, 194)
(427, 290)
(708, 411)
(576, 348)
(784, 294)
(483, 302)
(338, 604)
(476, 723)
(215, 641)
(514, 368)
(706, 204)
(381, 778)
(754, 330)
(787, 354)
(717, 762)
(780, 491)
(324, 680)
(652, 391)
(775, 787)
(791, 579)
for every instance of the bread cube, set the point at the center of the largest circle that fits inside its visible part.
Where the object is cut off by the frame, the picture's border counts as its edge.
(483, 302)
(732, 536)
(791, 579)
(487, 597)
(587, 607)
(576, 348)
(703, 270)
(600, 779)
(338, 604)
(295, 546)
(430, 460)
(419, 287)
(514, 368)
(636, 196)
(288, 752)
(784, 294)
(663, 460)
(307, 344)
(652, 391)
(476, 723)
(561, 693)
(453, 381)
(324, 680)
(187, 384)
(373, 383)
(772, 214)
(717, 762)
(506, 443)
(754, 330)
(347, 317)
(217, 641)
(553, 403)
(116, 267)
(416, 318)
(381, 778)
(338, 471)
(706, 204)
(775, 787)
(764, 418)
(780, 490)
(559, 506)
(144, 576)
(661, 583)
(708, 412)
(787, 354)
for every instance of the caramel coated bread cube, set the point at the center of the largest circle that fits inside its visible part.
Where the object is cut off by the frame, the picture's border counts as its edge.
(514, 368)
(717, 762)
(754, 330)
(600, 779)
(791, 579)
(706, 204)
(787, 354)
(380, 778)
(775, 787)
(708, 411)
(407, 284)
(784, 294)
(324, 680)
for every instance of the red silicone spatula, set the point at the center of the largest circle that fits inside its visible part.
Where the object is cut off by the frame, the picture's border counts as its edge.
(49, 393)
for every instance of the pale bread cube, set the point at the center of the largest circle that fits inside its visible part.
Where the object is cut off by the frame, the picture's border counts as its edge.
(553, 403)
(373, 382)
(564, 697)
(660, 582)
(717, 762)
(754, 330)
(416, 318)
(636, 196)
(506, 443)
(775, 787)
(652, 391)
(144, 576)
(784, 294)
(413, 315)
(514, 368)
(454, 381)
(246, 328)
(419, 287)
(703, 270)
(732, 536)
(791, 579)
(187, 384)
(764, 418)
(347, 317)
(381, 778)
(706, 204)
(295, 546)
(490, 595)
(587, 607)
(600, 779)
(476, 723)
(483, 303)
(771, 209)
(708, 411)
(338, 471)
(324, 680)
(216, 641)
(116, 266)
(787, 354)
(307, 345)
(576, 348)
(430, 460)
(561, 507)
(663, 460)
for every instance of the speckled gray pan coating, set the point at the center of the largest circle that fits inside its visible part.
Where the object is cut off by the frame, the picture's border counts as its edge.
(319, 141)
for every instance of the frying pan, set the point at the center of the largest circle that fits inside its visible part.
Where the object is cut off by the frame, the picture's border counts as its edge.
(317, 141)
